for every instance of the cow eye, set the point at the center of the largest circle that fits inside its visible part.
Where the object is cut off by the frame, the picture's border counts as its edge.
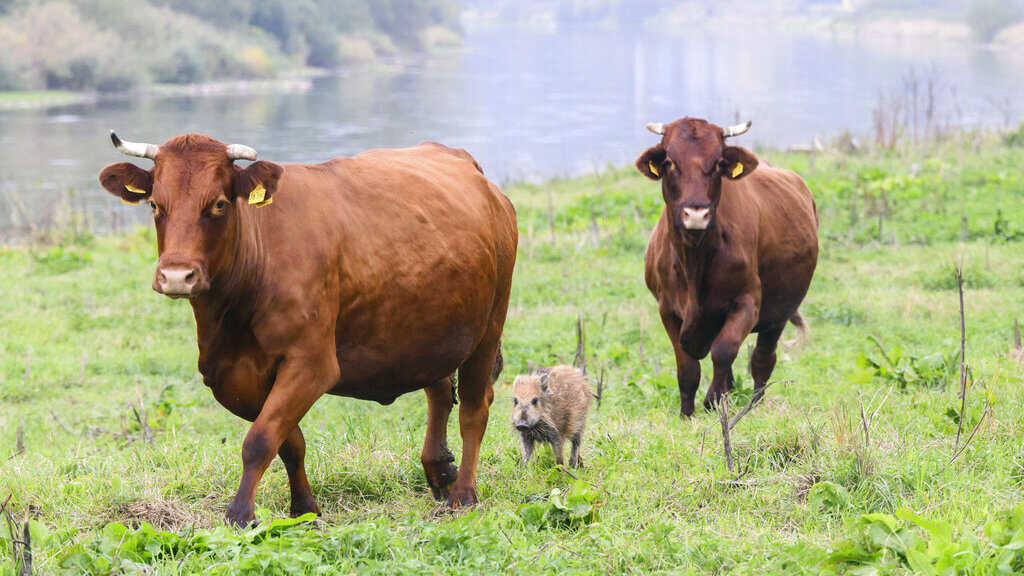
(154, 208)
(218, 208)
(515, 401)
(534, 401)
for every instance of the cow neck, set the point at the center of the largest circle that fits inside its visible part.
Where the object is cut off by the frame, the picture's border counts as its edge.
(236, 288)
(697, 255)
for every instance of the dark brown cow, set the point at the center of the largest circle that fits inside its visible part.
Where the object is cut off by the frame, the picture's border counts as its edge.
(733, 252)
(368, 277)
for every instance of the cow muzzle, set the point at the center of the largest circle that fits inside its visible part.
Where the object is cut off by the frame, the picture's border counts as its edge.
(696, 217)
(180, 281)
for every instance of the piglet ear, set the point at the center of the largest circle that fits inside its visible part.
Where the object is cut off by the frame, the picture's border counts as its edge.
(258, 182)
(544, 382)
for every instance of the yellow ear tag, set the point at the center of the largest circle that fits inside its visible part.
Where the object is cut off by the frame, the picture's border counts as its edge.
(266, 202)
(258, 195)
(132, 202)
(737, 170)
(654, 170)
(134, 190)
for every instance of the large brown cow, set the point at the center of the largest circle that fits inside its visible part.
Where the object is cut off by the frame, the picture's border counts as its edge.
(368, 277)
(733, 252)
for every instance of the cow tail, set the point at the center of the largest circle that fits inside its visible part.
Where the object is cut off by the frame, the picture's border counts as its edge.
(803, 330)
(499, 365)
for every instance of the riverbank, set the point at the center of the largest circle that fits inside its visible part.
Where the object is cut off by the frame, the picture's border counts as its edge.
(86, 345)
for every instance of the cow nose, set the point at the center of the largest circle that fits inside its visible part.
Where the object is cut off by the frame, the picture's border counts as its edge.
(176, 281)
(696, 218)
(522, 427)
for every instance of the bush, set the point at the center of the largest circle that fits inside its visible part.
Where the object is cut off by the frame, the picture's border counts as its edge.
(988, 17)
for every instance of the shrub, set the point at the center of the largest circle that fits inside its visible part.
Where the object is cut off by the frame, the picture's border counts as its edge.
(988, 17)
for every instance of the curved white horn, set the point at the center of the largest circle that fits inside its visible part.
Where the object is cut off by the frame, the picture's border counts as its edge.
(736, 130)
(656, 128)
(140, 149)
(241, 152)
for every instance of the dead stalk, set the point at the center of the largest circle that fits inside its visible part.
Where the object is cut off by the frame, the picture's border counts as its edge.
(19, 439)
(963, 358)
(750, 405)
(864, 423)
(580, 360)
(967, 442)
(140, 416)
(723, 418)
(600, 388)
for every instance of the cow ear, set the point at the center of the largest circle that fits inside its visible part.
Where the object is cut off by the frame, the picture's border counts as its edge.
(651, 161)
(737, 162)
(127, 181)
(258, 182)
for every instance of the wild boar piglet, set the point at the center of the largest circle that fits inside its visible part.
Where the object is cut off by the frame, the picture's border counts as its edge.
(551, 405)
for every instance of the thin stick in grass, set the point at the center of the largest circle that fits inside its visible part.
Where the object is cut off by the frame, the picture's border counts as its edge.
(723, 418)
(963, 358)
(753, 402)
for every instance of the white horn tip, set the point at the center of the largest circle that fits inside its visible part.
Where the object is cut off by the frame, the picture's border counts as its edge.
(241, 152)
(656, 128)
(737, 129)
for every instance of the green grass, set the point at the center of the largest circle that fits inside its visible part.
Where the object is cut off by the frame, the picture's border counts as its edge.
(17, 100)
(81, 331)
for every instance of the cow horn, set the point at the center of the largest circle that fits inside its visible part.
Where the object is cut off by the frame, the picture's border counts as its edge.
(140, 149)
(241, 152)
(656, 128)
(736, 130)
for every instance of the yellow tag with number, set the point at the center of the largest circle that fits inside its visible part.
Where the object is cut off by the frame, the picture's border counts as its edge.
(653, 169)
(737, 170)
(258, 195)
(266, 202)
(134, 190)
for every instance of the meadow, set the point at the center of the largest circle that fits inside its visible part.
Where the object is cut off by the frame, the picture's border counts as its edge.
(121, 461)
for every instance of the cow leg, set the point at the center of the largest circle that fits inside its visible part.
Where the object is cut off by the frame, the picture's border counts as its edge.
(726, 347)
(687, 367)
(476, 392)
(436, 457)
(762, 361)
(239, 390)
(300, 381)
(293, 454)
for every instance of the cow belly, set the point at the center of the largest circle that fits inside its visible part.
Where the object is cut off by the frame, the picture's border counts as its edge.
(403, 361)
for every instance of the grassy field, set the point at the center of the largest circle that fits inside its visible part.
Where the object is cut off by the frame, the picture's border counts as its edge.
(83, 338)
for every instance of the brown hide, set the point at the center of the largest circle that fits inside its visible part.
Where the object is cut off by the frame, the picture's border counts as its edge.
(747, 272)
(368, 277)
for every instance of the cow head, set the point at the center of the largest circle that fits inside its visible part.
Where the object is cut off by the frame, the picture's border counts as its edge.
(690, 161)
(196, 193)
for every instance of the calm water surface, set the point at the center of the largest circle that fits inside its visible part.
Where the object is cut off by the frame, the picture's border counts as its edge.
(527, 105)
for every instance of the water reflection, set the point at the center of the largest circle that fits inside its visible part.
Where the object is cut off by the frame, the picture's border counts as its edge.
(528, 105)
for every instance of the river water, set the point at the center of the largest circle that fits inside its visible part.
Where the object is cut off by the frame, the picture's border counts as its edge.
(529, 105)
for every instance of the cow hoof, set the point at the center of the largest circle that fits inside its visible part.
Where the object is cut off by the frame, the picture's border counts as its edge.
(240, 516)
(304, 508)
(443, 477)
(462, 498)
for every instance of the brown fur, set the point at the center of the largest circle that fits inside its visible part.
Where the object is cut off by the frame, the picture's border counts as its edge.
(748, 272)
(368, 277)
(551, 406)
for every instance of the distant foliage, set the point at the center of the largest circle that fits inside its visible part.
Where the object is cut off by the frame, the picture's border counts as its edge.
(112, 45)
(988, 17)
